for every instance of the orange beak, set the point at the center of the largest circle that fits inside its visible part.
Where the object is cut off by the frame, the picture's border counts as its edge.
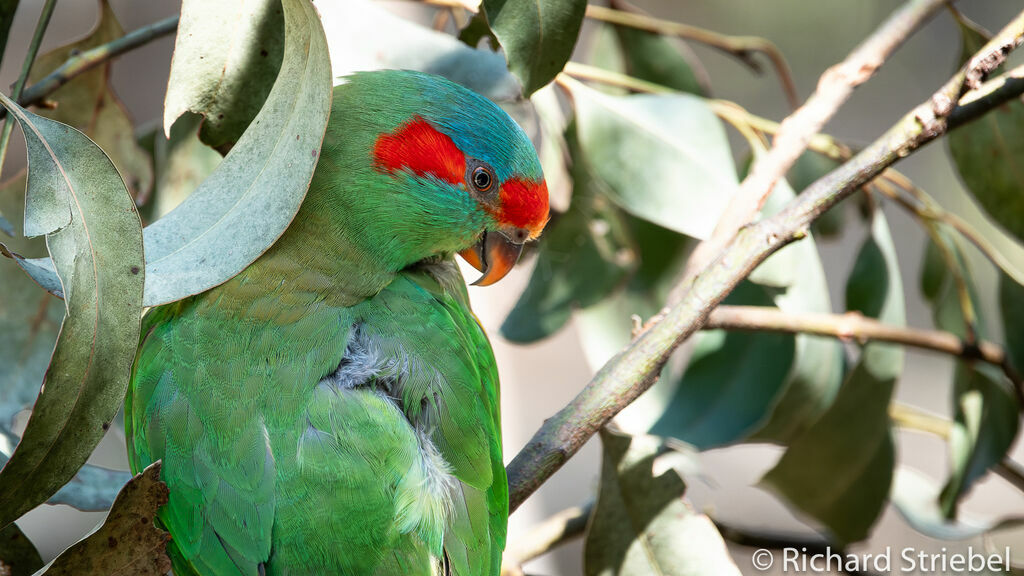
(494, 255)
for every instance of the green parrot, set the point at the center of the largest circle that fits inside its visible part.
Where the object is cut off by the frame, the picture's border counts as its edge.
(333, 408)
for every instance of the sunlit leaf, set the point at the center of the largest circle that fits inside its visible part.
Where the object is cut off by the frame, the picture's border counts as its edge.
(661, 60)
(538, 36)
(18, 556)
(98, 257)
(985, 423)
(128, 542)
(664, 157)
(642, 525)
(840, 469)
(989, 152)
(583, 256)
(227, 55)
(354, 27)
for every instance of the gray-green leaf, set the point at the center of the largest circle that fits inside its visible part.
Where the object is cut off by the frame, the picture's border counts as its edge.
(840, 469)
(18, 556)
(642, 525)
(98, 257)
(227, 55)
(538, 36)
(664, 158)
(664, 61)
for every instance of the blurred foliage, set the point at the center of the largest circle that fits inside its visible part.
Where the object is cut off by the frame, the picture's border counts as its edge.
(636, 180)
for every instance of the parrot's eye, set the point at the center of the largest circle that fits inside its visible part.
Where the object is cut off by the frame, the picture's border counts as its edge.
(482, 179)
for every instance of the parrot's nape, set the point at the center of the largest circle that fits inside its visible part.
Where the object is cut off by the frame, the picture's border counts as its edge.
(333, 409)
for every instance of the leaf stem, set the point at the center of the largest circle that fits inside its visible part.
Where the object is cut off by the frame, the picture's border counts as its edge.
(633, 370)
(94, 57)
(26, 67)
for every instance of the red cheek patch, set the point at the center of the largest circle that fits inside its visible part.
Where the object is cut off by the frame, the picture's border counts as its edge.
(417, 147)
(524, 204)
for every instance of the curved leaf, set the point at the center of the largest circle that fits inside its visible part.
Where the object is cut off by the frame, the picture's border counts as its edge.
(642, 525)
(249, 200)
(1011, 309)
(538, 36)
(840, 469)
(128, 542)
(985, 424)
(227, 55)
(989, 152)
(664, 157)
(98, 258)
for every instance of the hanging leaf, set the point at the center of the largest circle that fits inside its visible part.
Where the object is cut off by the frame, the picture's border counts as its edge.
(227, 55)
(984, 427)
(538, 36)
(476, 30)
(581, 259)
(916, 497)
(181, 164)
(939, 287)
(840, 469)
(664, 158)
(1011, 308)
(989, 152)
(88, 103)
(98, 258)
(665, 61)
(642, 525)
(29, 323)
(807, 169)
(774, 384)
(731, 381)
(128, 542)
(18, 556)
(553, 151)
(354, 27)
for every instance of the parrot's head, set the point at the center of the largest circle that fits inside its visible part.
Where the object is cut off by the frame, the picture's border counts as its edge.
(457, 165)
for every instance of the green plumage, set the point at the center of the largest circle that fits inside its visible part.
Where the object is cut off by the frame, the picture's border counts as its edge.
(333, 409)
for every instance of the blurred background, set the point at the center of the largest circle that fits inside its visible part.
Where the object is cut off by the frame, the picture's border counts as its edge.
(539, 379)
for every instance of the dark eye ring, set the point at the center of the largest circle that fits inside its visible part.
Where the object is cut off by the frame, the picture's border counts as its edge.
(482, 179)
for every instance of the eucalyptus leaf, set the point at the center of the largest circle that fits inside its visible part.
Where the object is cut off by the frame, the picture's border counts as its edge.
(476, 30)
(989, 152)
(29, 323)
(88, 102)
(227, 55)
(985, 424)
(354, 27)
(8, 8)
(582, 257)
(538, 36)
(916, 497)
(128, 542)
(1011, 309)
(642, 525)
(18, 556)
(181, 164)
(938, 285)
(840, 469)
(664, 157)
(807, 169)
(665, 61)
(98, 258)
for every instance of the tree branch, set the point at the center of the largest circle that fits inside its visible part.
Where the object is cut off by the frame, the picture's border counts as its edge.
(740, 47)
(633, 370)
(855, 326)
(834, 88)
(92, 58)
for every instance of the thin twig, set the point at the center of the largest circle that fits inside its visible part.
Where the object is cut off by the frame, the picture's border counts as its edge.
(740, 47)
(94, 57)
(558, 529)
(26, 68)
(633, 370)
(855, 327)
(834, 88)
